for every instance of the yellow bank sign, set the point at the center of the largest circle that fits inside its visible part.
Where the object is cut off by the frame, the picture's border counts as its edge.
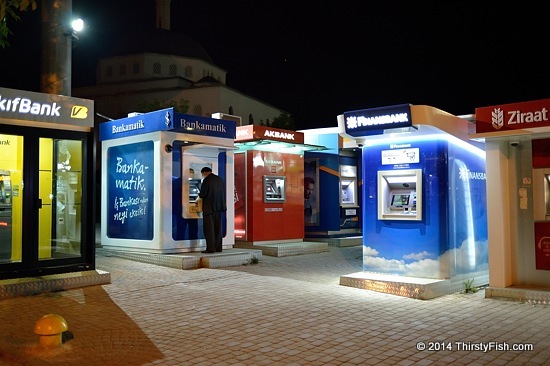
(29, 106)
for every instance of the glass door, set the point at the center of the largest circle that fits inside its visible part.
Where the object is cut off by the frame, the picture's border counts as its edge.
(47, 220)
(60, 198)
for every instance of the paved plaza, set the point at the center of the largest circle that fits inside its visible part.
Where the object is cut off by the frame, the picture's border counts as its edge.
(280, 311)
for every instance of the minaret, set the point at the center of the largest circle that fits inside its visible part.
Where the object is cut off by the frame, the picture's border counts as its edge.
(163, 14)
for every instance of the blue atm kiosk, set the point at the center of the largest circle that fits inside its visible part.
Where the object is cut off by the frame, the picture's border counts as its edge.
(424, 195)
(151, 166)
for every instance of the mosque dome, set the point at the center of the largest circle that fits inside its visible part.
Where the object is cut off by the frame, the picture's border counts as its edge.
(161, 41)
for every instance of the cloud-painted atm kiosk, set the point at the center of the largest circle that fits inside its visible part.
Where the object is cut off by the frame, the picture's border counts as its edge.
(151, 177)
(424, 196)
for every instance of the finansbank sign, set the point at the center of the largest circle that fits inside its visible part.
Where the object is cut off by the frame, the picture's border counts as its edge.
(374, 121)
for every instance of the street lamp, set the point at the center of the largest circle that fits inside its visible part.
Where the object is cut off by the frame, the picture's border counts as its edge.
(77, 25)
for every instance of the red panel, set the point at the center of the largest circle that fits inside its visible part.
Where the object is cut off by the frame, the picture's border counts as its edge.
(542, 245)
(513, 116)
(275, 221)
(541, 153)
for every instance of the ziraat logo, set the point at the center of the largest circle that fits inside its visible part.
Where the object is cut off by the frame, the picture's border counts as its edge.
(27, 106)
(79, 112)
(517, 117)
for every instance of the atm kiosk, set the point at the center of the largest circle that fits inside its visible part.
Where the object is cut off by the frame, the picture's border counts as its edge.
(269, 185)
(336, 195)
(151, 179)
(424, 196)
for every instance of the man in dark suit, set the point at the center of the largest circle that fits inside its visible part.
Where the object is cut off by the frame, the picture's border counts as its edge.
(212, 193)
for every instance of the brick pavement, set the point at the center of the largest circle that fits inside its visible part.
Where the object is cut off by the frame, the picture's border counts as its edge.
(281, 311)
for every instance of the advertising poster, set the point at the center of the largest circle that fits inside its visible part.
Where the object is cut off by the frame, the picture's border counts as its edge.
(542, 248)
(311, 192)
(130, 191)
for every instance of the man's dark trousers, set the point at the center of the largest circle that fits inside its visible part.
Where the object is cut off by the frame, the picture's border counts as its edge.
(210, 222)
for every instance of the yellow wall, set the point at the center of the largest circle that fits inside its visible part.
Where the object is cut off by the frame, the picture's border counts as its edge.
(11, 158)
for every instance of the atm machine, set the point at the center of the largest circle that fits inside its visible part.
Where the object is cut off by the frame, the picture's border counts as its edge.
(398, 194)
(5, 215)
(274, 188)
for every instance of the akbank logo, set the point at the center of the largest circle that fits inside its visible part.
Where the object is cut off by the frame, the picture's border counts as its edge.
(79, 112)
(497, 118)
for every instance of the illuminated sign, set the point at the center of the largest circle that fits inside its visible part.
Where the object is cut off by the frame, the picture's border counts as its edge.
(513, 116)
(29, 106)
(374, 121)
(166, 120)
(279, 134)
(254, 133)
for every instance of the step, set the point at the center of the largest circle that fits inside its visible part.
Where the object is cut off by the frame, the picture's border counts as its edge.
(227, 258)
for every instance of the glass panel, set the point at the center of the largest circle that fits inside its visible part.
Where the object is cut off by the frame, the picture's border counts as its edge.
(11, 196)
(61, 194)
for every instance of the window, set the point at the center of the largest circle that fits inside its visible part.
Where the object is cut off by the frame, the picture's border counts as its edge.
(109, 71)
(197, 110)
(136, 68)
(156, 68)
(172, 70)
(231, 110)
(188, 72)
(122, 70)
(250, 119)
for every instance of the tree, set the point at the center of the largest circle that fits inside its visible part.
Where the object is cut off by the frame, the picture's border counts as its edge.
(284, 121)
(8, 10)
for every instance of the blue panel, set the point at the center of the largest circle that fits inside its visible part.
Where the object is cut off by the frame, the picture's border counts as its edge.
(130, 191)
(408, 248)
(468, 251)
(451, 238)
(183, 228)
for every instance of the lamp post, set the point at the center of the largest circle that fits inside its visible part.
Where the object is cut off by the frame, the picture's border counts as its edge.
(57, 38)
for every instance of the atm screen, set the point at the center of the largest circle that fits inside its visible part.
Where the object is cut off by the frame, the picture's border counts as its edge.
(399, 200)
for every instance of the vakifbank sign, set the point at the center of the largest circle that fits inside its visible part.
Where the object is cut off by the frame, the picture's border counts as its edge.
(513, 116)
(39, 107)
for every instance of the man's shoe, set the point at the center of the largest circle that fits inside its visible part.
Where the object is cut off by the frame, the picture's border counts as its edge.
(207, 251)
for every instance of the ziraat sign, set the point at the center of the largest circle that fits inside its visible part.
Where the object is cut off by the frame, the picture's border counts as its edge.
(513, 116)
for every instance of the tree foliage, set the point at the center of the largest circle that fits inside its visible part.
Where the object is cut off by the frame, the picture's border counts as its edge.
(9, 10)
(283, 121)
(180, 106)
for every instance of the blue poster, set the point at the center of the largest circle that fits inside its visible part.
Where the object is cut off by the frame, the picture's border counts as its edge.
(130, 191)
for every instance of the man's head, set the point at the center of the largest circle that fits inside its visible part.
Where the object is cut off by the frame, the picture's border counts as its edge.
(206, 171)
(309, 185)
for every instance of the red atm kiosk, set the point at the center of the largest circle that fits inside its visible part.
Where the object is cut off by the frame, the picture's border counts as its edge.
(269, 185)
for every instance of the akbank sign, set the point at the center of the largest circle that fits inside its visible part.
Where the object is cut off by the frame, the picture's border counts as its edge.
(513, 116)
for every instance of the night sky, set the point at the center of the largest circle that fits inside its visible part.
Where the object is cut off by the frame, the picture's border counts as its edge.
(319, 61)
